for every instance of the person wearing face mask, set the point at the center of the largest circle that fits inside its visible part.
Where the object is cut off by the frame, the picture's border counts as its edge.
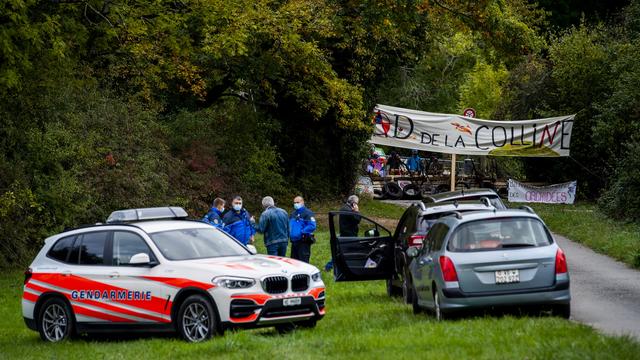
(302, 224)
(274, 224)
(238, 222)
(214, 216)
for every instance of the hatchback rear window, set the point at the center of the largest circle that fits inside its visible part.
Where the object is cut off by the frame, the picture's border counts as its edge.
(498, 234)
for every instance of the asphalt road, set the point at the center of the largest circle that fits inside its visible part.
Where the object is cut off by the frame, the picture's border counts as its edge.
(605, 293)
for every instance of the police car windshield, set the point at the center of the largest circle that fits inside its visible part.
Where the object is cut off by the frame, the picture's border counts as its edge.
(200, 243)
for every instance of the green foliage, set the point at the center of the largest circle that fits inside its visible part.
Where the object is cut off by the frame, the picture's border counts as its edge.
(482, 89)
(622, 199)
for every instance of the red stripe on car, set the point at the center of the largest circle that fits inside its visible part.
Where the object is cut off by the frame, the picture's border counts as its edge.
(77, 283)
(102, 305)
(316, 291)
(29, 297)
(180, 282)
(245, 319)
(259, 299)
(88, 312)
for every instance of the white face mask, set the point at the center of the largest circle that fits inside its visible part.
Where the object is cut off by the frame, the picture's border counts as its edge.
(297, 206)
(237, 207)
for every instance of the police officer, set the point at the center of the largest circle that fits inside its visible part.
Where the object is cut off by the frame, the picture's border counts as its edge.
(302, 224)
(274, 224)
(214, 216)
(238, 222)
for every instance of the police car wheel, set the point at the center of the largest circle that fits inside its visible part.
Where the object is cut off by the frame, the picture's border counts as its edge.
(196, 319)
(55, 320)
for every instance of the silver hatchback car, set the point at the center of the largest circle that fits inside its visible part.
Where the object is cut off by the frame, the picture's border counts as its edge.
(490, 259)
(474, 260)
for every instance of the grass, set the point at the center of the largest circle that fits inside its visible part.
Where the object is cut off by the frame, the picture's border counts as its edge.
(585, 224)
(361, 322)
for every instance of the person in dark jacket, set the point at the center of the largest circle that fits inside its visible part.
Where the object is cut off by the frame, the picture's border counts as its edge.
(302, 224)
(214, 216)
(238, 222)
(348, 224)
(274, 224)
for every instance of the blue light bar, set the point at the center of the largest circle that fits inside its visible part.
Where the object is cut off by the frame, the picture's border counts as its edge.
(157, 213)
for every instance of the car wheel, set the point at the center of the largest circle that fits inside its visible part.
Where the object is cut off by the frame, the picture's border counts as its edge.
(415, 307)
(285, 328)
(196, 319)
(392, 291)
(55, 320)
(436, 307)
(407, 293)
(562, 310)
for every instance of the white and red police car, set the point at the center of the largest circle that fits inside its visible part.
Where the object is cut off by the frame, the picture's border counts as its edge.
(150, 269)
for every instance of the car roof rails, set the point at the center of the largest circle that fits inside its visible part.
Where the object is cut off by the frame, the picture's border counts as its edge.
(527, 209)
(457, 214)
(485, 200)
(421, 204)
(157, 213)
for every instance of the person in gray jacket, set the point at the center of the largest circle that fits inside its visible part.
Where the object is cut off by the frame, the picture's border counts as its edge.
(274, 224)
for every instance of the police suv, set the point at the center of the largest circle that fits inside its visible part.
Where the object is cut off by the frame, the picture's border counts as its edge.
(151, 269)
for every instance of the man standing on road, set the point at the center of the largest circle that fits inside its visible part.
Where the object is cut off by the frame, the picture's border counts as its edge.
(274, 224)
(302, 224)
(214, 216)
(238, 222)
(348, 223)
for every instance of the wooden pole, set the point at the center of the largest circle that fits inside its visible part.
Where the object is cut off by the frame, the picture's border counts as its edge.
(453, 172)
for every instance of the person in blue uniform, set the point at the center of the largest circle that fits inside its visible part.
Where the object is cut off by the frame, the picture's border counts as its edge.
(302, 224)
(214, 216)
(238, 222)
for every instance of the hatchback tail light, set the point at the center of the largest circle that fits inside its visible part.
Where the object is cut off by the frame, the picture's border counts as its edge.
(448, 269)
(27, 275)
(415, 240)
(561, 262)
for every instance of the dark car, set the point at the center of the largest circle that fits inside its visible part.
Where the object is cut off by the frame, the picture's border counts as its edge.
(411, 230)
(370, 241)
(469, 194)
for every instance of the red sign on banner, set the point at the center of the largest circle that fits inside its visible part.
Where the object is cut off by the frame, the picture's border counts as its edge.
(469, 112)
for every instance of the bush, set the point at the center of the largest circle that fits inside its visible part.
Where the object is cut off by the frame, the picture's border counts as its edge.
(622, 199)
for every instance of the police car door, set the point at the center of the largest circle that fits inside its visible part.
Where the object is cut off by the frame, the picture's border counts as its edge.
(361, 248)
(86, 278)
(145, 297)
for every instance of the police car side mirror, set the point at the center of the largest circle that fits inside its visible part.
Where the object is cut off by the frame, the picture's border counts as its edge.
(140, 259)
(252, 249)
(372, 233)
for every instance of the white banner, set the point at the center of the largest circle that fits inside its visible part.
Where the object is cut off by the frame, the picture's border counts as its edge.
(554, 194)
(456, 134)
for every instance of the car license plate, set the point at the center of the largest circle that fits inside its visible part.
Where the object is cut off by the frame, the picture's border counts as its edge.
(507, 276)
(291, 301)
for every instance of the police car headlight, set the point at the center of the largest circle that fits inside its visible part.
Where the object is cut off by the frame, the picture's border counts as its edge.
(316, 276)
(233, 282)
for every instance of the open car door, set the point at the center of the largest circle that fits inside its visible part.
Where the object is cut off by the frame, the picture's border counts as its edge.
(361, 248)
